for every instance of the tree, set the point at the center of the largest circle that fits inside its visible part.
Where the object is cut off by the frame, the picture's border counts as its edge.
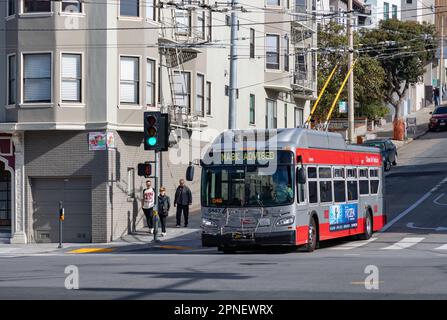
(403, 49)
(368, 73)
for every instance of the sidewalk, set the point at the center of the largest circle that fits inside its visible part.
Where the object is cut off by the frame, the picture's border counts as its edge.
(142, 239)
(422, 118)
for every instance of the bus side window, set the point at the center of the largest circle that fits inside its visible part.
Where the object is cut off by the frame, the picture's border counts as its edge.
(374, 181)
(352, 190)
(300, 193)
(312, 188)
(363, 182)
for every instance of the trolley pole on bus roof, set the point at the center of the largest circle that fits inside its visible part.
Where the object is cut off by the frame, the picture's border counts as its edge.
(351, 127)
(232, 89)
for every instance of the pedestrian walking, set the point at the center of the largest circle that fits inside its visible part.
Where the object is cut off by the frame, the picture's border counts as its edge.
(436, 96)
(164, 204)
(148, 202)
(182, 200)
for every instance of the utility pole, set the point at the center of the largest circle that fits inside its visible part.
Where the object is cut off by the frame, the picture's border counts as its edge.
(441, 60)
(351, 127)
(232, 88)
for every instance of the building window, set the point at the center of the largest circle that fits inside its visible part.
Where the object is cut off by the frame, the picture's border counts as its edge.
(286, 52)
(131, 182)
(301, 67)
(285, 115)
(12, 79)
(386, 10)
(37, 78)
(271, 114)
(36, 6)
(130, 8)
(252, 109)
(11, 7)
(129, 80)
(72, 6)
(201, 25)
(409, 1)
(298, 117)
(200, 96)
(71, 78)
(208, 98)
(272, 51)
(252, 43)
(150, 83)
(150, 9)
(182, 90)
(210, 26)
(273, 2)
(182, 22)
(394, 11)
(300, 7)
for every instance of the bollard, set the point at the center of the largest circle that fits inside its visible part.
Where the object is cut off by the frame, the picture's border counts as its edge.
(61, 219)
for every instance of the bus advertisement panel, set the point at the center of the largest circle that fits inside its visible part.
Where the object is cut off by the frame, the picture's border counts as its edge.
(343, 216)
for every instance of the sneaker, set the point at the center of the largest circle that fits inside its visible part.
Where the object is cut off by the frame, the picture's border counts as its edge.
(186, 226)
(178, 226)
(151, 230)
(163, 234)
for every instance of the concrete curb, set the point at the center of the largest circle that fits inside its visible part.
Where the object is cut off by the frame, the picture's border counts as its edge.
(410, 140)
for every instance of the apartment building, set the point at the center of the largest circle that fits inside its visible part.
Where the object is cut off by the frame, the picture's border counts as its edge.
(383, 10)
(77, 77)
(420, 95)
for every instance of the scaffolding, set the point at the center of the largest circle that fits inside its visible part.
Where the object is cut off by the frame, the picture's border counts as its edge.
(177, 43)
(304, 40)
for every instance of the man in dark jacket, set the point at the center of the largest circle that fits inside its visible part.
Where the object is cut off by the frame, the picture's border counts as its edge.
(182, 200)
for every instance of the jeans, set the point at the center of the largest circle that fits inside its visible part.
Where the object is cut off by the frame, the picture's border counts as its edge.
(149, 214)
(185, 209)
(163, 223)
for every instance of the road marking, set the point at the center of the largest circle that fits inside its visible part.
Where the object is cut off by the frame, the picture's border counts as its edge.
(363, 282)
(412, 225)
(92, 250)
(404, 243)
(443, 247)
(413, 206)
(439, 203)
(354, 244)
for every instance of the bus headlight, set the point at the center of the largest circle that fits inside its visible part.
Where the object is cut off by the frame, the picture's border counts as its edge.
(285, 221)
(208, 223)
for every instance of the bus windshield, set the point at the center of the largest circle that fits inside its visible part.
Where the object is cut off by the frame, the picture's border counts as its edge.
(245, 186)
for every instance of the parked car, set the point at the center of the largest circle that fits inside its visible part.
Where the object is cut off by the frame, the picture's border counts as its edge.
(388, 149)
(438, 118)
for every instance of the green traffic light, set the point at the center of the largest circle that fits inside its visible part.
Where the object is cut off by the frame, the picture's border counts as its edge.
(152, 141)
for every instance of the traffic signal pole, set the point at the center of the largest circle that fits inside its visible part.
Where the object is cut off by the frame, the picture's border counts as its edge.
(351, 121)
(232, 88)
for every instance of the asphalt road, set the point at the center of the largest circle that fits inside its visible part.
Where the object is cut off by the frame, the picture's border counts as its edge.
(410, 256)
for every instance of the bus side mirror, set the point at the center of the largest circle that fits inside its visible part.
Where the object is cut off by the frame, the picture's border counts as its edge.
(300, 175)
(190, 173)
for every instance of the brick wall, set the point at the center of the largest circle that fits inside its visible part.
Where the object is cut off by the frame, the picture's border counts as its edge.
(114, 212)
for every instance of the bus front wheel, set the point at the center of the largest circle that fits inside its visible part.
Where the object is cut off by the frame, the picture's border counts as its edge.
(312, 237)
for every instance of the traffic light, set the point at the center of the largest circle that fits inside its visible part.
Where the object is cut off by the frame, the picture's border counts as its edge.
(144, 170)
(156, 131)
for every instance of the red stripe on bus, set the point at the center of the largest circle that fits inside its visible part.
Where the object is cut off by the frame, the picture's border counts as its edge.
(326, 234)
(337, 157)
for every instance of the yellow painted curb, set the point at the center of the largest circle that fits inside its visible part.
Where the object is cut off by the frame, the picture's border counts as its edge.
(92, 250)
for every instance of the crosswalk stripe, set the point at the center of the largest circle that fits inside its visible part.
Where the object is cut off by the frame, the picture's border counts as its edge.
(354, 244)
(443, 247)
(404, 243)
